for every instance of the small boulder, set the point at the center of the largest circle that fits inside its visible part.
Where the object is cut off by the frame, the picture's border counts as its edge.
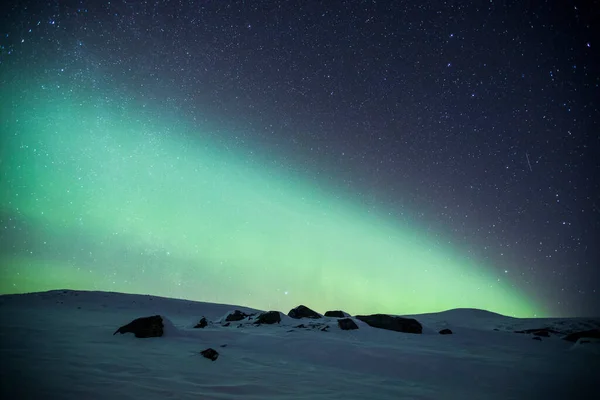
(268, 317)
(303, 312)
(537, 338)
(144, 327)
(202, 323)
(592, 334)
(211, 354)
(237, 315)
(446, 332)
(392, 323)
(336, 314)
(347, 324)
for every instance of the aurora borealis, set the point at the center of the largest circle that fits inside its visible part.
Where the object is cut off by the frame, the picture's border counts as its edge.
(117, 204)
(113, 178)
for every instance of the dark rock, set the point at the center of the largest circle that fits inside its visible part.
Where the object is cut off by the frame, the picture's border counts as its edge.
(347, 324)
(226, 324)
(496, 329)
(268, 317)
(202, 323)
(300, 326)
(392, 323)
(237, 315)
(290, 330)
(325, 328)
(537, 338)
(224, 345)
(575, 336)
(144, 327)
(540, 331)
(303, 312)
(211, 354)
(336, 314)
(446, 332)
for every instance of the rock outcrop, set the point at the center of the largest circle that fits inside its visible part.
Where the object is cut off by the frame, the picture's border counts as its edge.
(303, 312)
(392, 323)
(347, 324)
(575, 336)
(545, 332)
(268, 317)
(236, 315)
(144, 327)
(336, 314)
(446, 332)
(202, 323)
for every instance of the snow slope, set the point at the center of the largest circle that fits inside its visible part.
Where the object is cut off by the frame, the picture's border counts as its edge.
(60, 344)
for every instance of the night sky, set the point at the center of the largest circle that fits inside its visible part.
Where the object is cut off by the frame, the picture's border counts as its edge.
(371, 156)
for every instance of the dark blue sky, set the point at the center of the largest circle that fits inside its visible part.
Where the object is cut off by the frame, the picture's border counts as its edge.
(479, 118)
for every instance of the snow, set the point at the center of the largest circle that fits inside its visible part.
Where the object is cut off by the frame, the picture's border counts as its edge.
(60, 344)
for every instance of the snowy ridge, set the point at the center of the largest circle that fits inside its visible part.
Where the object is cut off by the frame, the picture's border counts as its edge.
(60, 344)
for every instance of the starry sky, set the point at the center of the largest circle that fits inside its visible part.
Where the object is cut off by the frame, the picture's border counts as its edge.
(371, 156)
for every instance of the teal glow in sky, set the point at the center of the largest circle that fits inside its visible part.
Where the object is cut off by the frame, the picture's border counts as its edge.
(108, 198)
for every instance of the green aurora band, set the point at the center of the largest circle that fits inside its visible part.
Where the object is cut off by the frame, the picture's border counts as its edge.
(110, 198)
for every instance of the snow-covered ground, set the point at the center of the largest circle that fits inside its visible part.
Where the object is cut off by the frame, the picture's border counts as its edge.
(60, 345)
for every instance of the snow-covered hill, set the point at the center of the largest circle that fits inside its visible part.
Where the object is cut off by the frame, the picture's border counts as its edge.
(60, 344)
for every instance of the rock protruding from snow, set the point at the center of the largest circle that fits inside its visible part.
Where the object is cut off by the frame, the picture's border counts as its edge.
(575, 336)
(303, 312)
(347, 324)
(236, 315)
(392, 323)
(337, 314)
(202, 323)
(537, 338)
(446, 332)
(268, 317)
(144, 327)
(545, 332)
(211, 354)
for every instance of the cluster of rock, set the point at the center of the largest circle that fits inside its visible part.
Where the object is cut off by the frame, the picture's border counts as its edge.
(575, 336)
(153, 326)
(538, 333)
